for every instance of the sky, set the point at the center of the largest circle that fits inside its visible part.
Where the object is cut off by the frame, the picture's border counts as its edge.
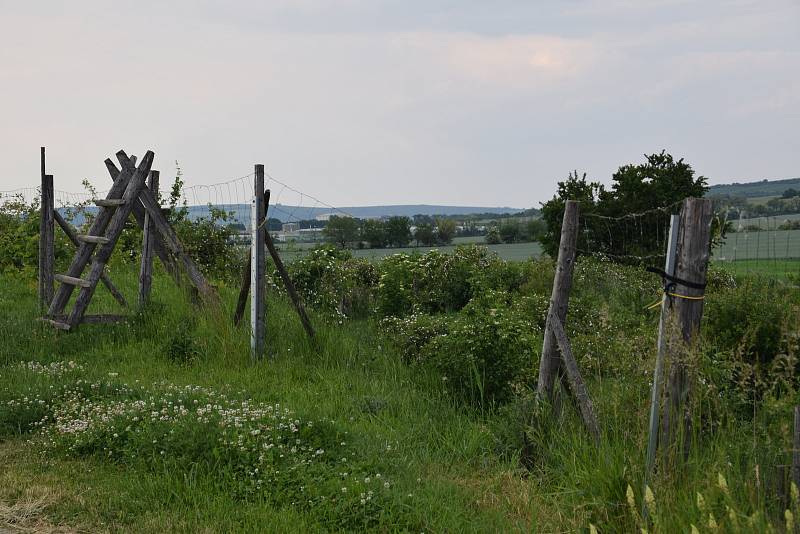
(366, 102)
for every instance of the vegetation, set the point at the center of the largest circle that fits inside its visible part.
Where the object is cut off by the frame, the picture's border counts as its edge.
(660, 182)
(412, 411)
(414, 407)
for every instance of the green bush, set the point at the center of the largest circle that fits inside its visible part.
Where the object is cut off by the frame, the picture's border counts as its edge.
(334, 282)
(435, 282)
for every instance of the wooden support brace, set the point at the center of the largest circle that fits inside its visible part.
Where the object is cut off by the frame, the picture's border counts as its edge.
(576, 383)
(72, 235)
(138, 213)
(287, 281)
(169, 239)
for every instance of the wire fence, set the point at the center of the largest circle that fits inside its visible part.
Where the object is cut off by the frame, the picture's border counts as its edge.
(743, 244)
(227, 202)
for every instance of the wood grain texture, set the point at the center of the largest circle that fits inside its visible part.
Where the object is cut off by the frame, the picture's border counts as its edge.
(84, 253)
(112, 232)
(148, 239)
(72, 235)
(158, 247)
(682, 320)
(258, 285)
(550, 361)
(46, 241)
(576, 383)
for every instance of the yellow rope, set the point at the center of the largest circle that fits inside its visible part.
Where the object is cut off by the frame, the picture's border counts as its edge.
(677, 295)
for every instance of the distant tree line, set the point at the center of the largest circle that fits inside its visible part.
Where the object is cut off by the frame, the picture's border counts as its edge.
(392, 232)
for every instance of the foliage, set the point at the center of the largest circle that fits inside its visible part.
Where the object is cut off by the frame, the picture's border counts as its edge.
(374, 233)
(510, 231)
(481, 354)
(398, 231)
(445, 230)
(334, 282)
(341, 230)
(660, 182)
(19, 236)
(432, 282)
(424, 235)
(493, 236)
(253, 450)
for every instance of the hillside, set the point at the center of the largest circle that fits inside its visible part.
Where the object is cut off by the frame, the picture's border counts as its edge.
(763, 188)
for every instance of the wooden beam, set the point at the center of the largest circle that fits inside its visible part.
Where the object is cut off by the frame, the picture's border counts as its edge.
(72, 235)
(550, 361)
(158, 247)
(576, 383)
(169, 239)
(64, 279)
(287, 281)
(85, 250)
(258, 284)
(148, 239)
(683, 318)
(46, 239)
(113, 231)
(244, 288)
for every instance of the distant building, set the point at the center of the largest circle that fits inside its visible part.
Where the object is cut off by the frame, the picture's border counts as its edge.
(288, 228)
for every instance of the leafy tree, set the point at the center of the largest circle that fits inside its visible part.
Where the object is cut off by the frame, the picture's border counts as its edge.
(341, 230)
(425, 235)
(789, 193)
(445, 230)
(660, 182)
(398, 231)
(493, 236)
(510, 231)
(273, 224)
(536, 229)
(373, 231)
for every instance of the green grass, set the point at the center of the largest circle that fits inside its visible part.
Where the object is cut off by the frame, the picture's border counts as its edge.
(453, 468)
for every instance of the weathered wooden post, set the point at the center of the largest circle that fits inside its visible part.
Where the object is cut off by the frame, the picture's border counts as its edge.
(257, 267)
(550, 361)
(46, 238)
(682, 320)
(796, 448)
(148, 242)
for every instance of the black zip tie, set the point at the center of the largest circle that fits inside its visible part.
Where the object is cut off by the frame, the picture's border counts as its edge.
(675, 279)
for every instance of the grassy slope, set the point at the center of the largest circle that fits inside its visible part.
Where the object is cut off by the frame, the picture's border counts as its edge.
(445, 455)
(434, 440)
(755, 189)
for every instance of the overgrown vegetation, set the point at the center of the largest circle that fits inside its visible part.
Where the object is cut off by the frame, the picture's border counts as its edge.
(413, 411)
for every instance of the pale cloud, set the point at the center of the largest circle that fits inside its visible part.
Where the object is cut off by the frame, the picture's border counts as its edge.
(383, 101)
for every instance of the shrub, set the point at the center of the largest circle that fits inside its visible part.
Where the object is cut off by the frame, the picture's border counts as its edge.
(488, 349)
(334, 282)
(434, 282)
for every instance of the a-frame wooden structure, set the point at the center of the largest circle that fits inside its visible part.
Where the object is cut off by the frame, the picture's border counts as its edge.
(129, 195)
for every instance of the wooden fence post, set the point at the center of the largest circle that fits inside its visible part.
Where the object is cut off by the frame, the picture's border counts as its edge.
(796, 448)
(550, 361)
(682, 320)
(148, 241)
(46, 239)
(257, 268)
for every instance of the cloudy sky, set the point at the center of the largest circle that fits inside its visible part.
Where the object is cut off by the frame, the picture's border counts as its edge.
(400, 101)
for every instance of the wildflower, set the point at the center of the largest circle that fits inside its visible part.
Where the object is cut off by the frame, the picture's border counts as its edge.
(631, 499)
(722, 483)
(649, 498)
